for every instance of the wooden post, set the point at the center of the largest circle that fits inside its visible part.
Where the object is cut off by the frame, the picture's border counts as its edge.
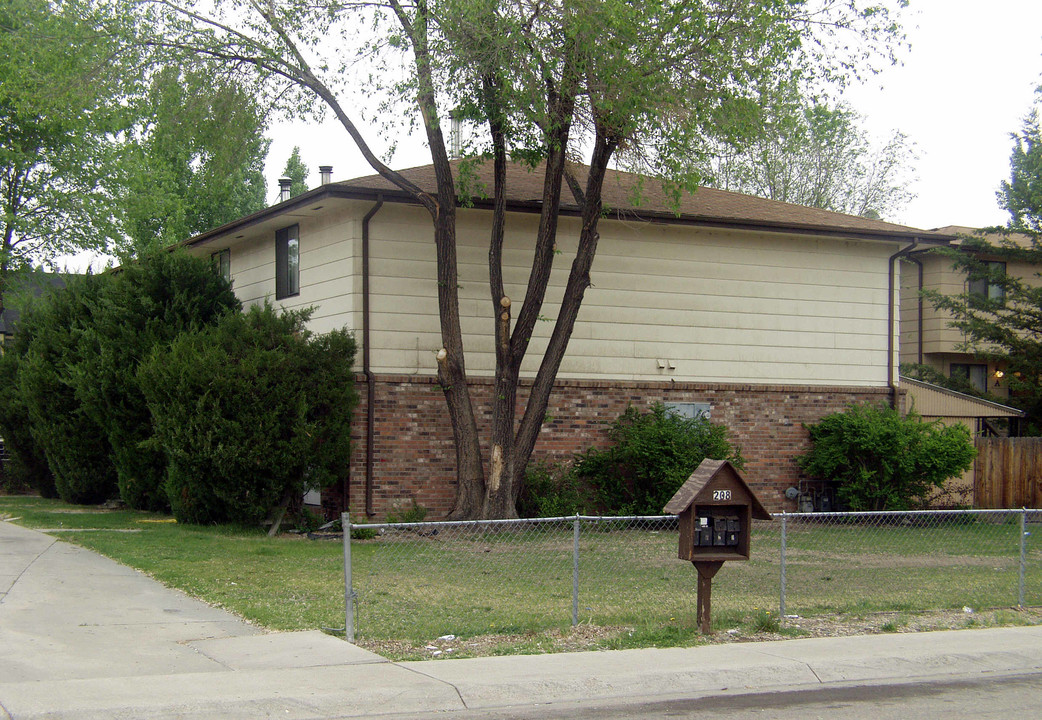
(706, 571)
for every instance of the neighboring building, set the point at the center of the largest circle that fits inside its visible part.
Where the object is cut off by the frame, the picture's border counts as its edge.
(23, 287)
(927, 338)
(949, 407)
(766, 315)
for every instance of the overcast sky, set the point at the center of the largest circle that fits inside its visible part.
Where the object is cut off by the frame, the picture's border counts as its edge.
(965, 84)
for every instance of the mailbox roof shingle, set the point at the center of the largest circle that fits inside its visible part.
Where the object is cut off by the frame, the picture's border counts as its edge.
(697, 482)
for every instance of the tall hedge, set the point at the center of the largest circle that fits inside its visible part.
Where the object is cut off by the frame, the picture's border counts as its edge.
(145, 305)
(76, 447)
(26, 465)
(77, 372)
(249, 412)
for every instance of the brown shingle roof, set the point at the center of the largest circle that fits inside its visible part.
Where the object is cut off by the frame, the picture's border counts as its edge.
(704, 207)
(621, 191)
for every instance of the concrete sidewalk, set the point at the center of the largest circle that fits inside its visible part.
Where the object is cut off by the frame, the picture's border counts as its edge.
(84, 637)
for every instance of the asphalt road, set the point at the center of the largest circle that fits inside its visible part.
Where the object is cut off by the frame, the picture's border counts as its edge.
(983, 697)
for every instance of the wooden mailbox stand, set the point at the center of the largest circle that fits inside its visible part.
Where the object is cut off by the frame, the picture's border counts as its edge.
(715, 509)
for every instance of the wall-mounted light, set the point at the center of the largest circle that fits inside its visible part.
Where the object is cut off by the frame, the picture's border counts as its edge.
(999, 374)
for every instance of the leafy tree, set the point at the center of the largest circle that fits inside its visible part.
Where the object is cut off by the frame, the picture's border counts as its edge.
(540, 83)
(196, 158)
(297, 172)
(59, 116)
(1021, 196)
(1004, 325)
(250, 412)
(884, 461)
(820, 156)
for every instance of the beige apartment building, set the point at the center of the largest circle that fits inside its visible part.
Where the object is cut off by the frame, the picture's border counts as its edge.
(763, 315)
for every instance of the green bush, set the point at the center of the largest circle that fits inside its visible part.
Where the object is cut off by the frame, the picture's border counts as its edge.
(651, 455)
(77, 371)
(249, 412)
(51, 332)
(146, 304)
(554, 490)
(883, 461)
(26, 466)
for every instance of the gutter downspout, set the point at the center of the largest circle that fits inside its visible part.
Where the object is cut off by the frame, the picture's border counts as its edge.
(912, 257)
(890, 380)
(370, 387)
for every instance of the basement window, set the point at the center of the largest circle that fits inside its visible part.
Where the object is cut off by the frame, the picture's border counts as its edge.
(690, 410)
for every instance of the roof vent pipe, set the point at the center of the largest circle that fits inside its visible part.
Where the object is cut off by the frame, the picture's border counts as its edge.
(326, 171)
(284, 188)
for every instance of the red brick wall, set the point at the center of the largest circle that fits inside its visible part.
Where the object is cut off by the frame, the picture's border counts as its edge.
(414, 458)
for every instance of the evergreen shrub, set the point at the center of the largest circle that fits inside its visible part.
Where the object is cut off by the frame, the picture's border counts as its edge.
(52, 334)
(250, 412)
(26, 466)
(145, 305)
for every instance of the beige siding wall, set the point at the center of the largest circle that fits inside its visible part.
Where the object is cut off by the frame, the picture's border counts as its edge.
(328, 242)
(718, 306)
(711, 305)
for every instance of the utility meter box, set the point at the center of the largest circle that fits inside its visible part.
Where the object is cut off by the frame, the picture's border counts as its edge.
(716, 508)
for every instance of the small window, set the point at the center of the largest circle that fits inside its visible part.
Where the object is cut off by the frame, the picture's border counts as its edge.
(222, 263)
(287, 262)
(690, 410)
(975, 375)
(985, 287)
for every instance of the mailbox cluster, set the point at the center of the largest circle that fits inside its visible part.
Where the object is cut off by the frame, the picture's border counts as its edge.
(715, 509)
(717, 531)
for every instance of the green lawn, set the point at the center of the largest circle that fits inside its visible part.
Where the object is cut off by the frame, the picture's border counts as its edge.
(415, 586)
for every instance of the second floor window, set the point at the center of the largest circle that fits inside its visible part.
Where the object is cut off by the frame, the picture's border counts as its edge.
(222, 263)
(287, 262)
(976, 375)
(988, 288)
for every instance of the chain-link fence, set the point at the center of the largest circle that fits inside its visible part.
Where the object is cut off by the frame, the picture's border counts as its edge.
(418, 581)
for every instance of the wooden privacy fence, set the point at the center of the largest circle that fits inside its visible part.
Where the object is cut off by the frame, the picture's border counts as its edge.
(1008, 472)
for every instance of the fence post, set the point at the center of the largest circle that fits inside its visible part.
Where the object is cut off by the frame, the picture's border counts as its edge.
(575, 571)
(1023, 538)
(349, 591)
(781, 602)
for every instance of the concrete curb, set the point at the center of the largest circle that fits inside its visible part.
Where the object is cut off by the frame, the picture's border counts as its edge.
(736, 669)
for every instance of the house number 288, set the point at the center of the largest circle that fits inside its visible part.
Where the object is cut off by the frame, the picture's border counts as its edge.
(721, 494)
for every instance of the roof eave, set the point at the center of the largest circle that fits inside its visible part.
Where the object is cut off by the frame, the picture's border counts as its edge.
(963, 396)
(334, 190)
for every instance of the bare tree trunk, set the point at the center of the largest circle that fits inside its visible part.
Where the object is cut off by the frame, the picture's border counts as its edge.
(504, 392)
(504, 467)
(578, 281)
